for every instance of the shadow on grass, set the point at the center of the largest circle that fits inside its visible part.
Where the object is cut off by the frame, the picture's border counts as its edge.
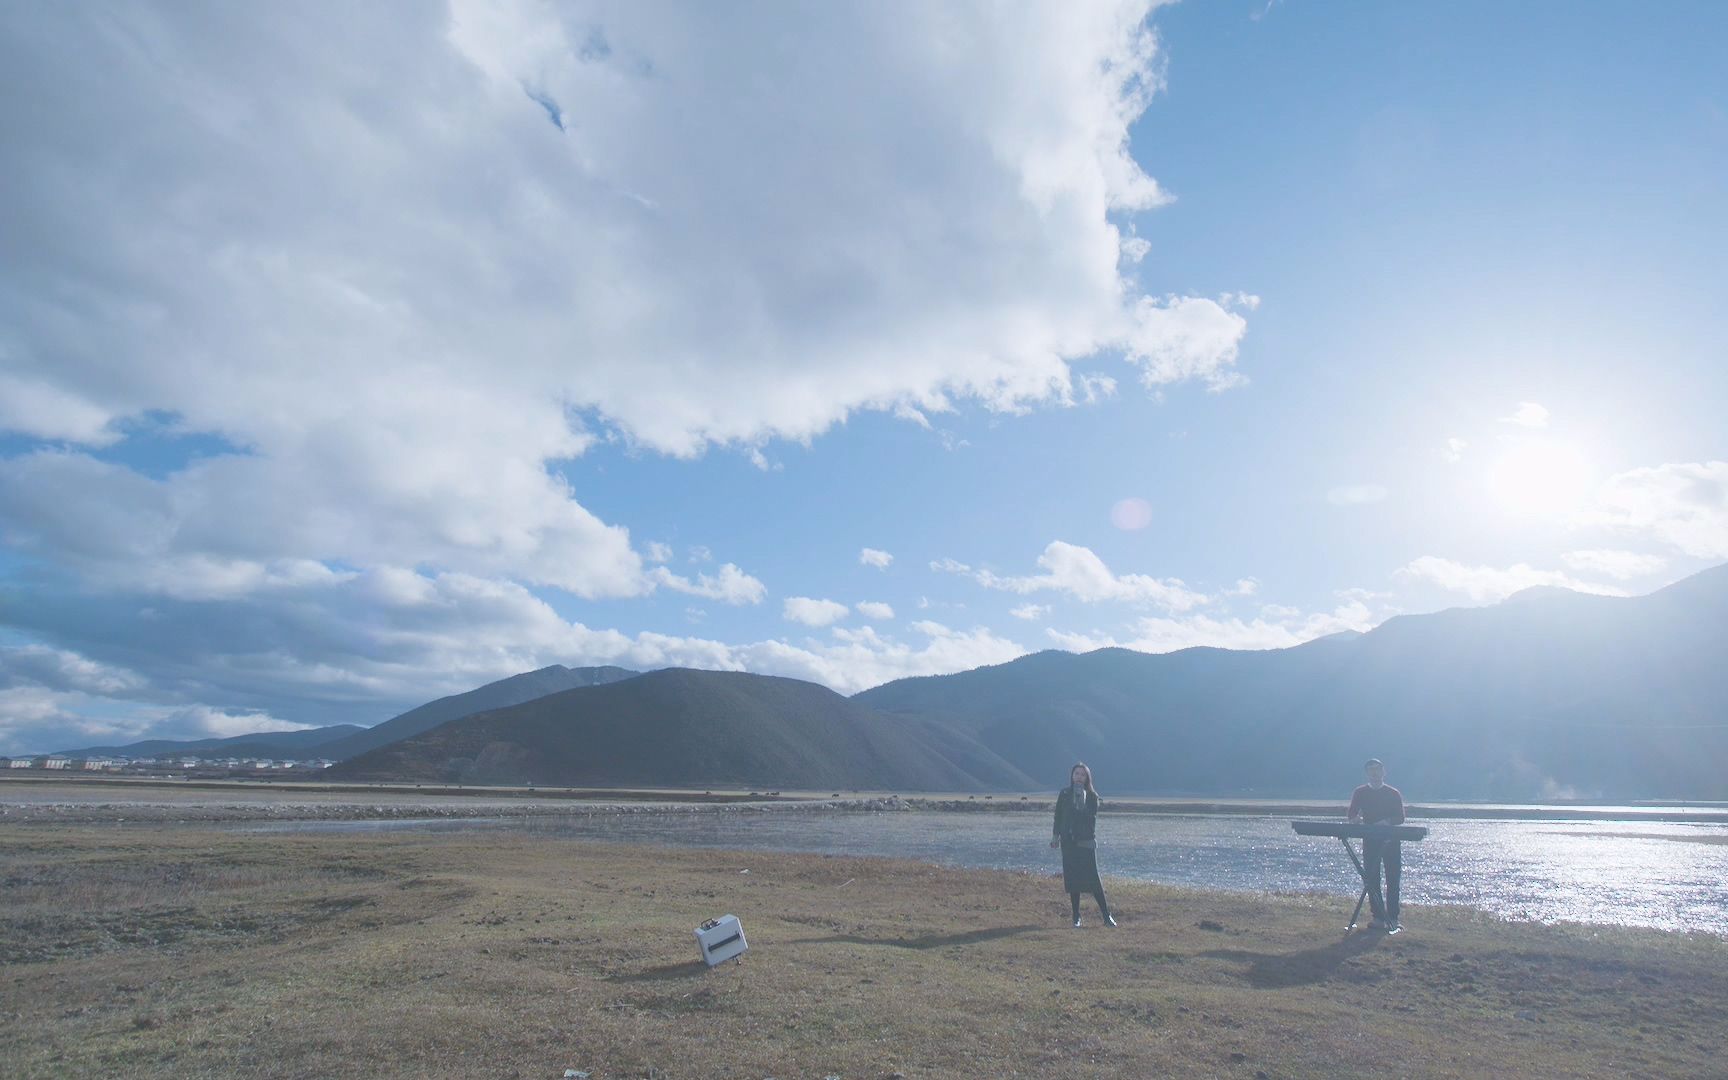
(1273, 971)
(930, 941)
(694, 968)
(663, 973)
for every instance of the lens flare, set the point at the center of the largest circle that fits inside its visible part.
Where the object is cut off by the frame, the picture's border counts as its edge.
(1131, 514)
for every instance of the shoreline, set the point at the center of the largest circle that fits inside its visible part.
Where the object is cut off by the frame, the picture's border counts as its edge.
(93, 800)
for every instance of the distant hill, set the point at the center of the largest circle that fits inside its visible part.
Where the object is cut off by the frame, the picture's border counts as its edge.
(263, 744)
(494, 695)
(1549, 694)
(683, 728)
(346, 740)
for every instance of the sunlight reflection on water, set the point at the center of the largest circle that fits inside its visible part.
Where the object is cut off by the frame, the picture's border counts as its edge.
(1622, 873)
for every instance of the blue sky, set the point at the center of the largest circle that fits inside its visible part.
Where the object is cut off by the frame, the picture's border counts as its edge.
(335, 377)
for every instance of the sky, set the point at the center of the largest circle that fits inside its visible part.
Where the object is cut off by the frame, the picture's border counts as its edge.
(355, 355)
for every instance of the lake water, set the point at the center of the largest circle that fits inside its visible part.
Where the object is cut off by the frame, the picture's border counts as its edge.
(1667, 876)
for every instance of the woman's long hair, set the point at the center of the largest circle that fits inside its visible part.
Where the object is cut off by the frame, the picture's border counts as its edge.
(1082, 765)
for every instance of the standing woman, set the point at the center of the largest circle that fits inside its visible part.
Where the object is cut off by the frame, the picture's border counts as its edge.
(1075, 833)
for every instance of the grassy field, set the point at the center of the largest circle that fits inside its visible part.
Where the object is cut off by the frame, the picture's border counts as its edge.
(197, 953)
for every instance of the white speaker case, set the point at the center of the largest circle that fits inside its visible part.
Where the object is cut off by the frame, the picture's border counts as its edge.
(721, 939)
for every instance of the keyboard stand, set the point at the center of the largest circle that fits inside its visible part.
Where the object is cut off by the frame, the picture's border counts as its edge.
(1361, 872)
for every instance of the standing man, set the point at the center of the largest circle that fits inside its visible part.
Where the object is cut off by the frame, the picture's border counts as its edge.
(1379, 803)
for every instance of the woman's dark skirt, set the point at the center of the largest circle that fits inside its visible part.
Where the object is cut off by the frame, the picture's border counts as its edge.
(1079, 868)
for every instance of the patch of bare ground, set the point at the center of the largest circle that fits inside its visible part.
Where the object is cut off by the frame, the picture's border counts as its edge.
(185, 953)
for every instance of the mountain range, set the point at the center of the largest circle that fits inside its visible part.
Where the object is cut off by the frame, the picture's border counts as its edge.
(496, 695)
(693, 729)
(1549, 694)
(346, 740)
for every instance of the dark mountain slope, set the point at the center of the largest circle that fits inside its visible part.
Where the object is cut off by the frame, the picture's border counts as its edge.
(683, 728)
(495, 695)
(1550, 693)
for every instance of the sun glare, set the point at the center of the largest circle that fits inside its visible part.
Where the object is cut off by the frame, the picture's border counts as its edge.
(1542, 478)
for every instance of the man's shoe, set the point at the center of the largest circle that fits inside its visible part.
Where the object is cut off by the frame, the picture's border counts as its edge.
(1076, 924)
(1376, 924)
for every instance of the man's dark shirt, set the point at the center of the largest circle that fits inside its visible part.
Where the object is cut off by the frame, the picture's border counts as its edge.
(1382, 805)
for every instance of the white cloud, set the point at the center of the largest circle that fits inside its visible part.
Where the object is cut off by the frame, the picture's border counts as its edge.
(36, 719)
(37, 407)
(1527, 414)
(1188, 337)
(731, 585)
(410, 296)
(906, 412)
(1166, 635)
(813, 612)
(1077, 642)
(1489, 583)
(334, 653)
(1453, 451)
(875, 557)
(872, 609)
(1091, 388)
(1245, 587)
(1080, 573)
(1364, 595)
(1623, 565)
(63, 670)
(1683, 504)
(356, 649)
(22, 706)
(1356, 494)
(1275, 628)
(684, 260)
(862, 658)
(222, 724)
(237, 524)
(1030, 612)
(57, 699)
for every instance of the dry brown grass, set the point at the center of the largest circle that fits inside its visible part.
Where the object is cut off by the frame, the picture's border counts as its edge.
(195, 953)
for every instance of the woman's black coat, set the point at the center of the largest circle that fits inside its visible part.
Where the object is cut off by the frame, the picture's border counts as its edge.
(1076, 822)
(1076, 827)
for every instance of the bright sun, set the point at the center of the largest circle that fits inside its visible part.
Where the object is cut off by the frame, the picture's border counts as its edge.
(1542, 478)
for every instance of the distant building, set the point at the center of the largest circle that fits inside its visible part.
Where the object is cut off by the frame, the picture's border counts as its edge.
(56, 763)
(20, 763)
